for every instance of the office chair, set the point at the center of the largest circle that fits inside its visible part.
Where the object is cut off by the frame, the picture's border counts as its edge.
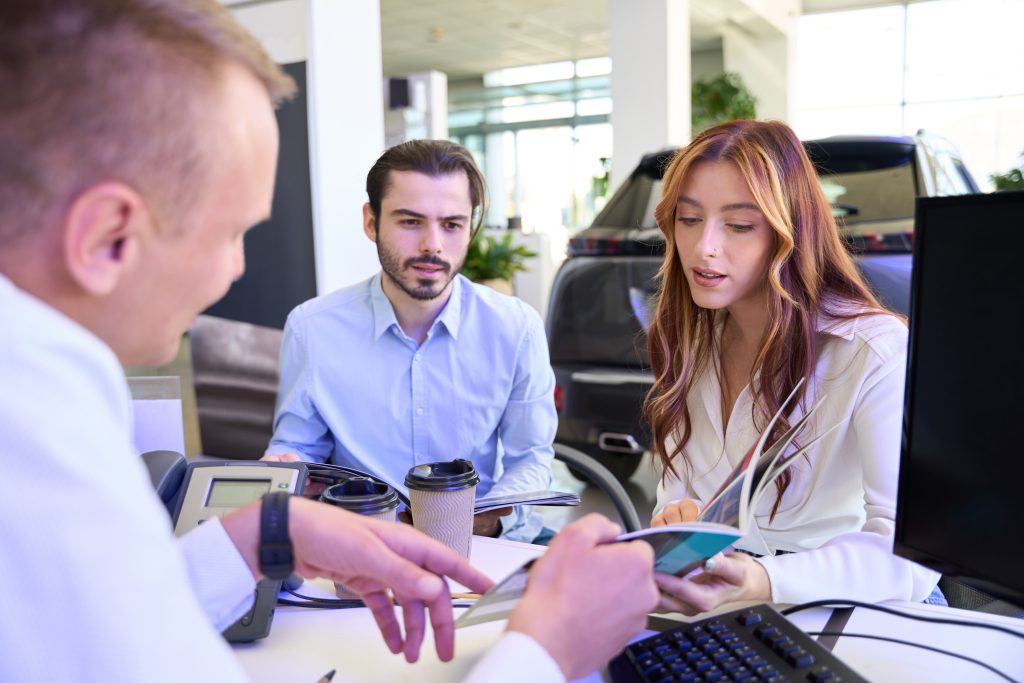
(235, 374)
(962, 596)
(596, 473)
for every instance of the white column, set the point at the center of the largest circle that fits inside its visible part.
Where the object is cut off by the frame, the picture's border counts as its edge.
(649, 44)
(340, 43)
(346, 133)
(762, 51)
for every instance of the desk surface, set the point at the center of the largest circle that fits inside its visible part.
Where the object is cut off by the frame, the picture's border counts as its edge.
(306, 643)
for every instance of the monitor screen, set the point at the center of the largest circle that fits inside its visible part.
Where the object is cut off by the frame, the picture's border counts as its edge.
(961, 487)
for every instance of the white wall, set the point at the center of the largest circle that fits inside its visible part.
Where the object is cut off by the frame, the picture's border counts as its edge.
(762, 51)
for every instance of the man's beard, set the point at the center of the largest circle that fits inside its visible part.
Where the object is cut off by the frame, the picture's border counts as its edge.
(427, 289)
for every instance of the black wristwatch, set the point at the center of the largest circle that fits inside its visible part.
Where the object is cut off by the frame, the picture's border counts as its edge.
(276, 560)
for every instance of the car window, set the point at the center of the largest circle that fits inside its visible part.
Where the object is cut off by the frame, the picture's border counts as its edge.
(873, 195)
(636, 198)
(950, 175)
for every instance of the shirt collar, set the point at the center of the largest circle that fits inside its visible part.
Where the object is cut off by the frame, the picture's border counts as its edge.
(451, 314)
(384, 313)
(844, 328)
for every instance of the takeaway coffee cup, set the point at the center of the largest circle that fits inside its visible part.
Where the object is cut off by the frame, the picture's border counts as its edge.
(441, 495)
(366, 497)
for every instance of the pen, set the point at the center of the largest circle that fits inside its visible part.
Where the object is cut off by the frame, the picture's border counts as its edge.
(465, 596)
(327, 677)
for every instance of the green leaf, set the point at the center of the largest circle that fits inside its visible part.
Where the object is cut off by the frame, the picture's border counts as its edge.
(494, 258)
(720, 99)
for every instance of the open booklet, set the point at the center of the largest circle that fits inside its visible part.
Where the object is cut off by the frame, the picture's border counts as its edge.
(525, 498)
(681, 548)
(329, 473)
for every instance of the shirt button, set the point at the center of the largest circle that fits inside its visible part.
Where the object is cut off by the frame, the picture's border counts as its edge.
(415, 359)
(419, 411)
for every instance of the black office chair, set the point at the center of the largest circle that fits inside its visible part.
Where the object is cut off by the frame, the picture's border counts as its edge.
(235, 374)
(596, 473)
(962, 596)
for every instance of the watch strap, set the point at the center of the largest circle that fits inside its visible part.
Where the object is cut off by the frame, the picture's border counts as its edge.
(276, 559)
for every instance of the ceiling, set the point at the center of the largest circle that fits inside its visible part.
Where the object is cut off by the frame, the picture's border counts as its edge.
(465, 38)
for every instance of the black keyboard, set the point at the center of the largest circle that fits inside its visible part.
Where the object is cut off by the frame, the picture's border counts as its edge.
(753, 644)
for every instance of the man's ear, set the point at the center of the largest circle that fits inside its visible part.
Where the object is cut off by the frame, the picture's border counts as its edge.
(369, 222)
(101, 235)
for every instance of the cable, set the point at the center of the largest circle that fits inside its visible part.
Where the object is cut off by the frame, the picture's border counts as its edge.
(319, 603)
(889, 610)
(919, 645)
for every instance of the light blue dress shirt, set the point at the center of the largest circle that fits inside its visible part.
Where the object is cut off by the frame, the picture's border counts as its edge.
(356, 391)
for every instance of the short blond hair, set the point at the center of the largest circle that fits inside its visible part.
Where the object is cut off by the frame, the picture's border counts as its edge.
(94, 90)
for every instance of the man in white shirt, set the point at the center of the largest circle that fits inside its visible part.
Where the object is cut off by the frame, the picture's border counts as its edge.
(137, 144)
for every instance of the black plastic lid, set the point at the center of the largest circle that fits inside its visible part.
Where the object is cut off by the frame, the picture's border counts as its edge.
(362, 496)
(442, 476)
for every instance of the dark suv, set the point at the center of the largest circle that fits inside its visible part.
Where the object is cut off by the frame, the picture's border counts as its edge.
(601, 297)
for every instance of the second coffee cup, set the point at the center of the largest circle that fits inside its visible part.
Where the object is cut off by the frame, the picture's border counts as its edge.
(442, 496)
(366, 497)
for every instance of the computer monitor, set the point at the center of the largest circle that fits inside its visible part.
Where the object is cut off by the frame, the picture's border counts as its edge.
(960, 507)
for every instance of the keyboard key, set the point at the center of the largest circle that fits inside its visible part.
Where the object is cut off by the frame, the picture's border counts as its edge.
(749, 618)
(821, 674)
(741, 674)
(698, 635)
(800, 658)
(729, 665)
(702, 665)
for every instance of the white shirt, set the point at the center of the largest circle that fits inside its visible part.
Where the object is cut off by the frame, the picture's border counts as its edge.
(837, 515)
(96, 587)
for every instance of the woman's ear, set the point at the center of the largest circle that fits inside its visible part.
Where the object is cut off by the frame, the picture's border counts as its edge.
(101, 235)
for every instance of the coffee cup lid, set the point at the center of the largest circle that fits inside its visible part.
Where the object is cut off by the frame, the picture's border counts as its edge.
(361, 495)
(442, 476)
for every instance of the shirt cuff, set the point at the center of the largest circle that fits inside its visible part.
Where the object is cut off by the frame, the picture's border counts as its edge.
(219, 575)
(516, 657)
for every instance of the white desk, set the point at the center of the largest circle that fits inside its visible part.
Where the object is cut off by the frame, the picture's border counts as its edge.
(306, 643)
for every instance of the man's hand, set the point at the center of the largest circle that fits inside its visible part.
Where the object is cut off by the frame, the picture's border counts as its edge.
(489, 523)
(587, 597)
(281, 457)
(729, 578)
(685, 510)
(374, 559)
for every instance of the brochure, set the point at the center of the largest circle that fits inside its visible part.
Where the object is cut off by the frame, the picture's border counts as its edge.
(682, 548)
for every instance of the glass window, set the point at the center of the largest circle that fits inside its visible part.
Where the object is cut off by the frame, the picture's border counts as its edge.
(959, 77)
(960, 49)
(850, 58)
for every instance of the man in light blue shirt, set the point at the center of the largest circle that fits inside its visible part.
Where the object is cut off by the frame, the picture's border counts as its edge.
(418, 364)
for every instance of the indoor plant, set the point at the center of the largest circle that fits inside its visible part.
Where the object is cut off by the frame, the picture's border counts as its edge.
(1011, 180)
(492, 261)
(720, 99)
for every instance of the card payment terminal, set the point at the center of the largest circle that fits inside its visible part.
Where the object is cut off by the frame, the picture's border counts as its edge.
(212, 489)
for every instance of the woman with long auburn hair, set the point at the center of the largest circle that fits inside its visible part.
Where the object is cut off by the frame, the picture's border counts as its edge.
(757, 292)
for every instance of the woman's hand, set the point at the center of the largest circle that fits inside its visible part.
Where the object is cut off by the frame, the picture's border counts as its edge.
(685, 510)
(726, 578)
